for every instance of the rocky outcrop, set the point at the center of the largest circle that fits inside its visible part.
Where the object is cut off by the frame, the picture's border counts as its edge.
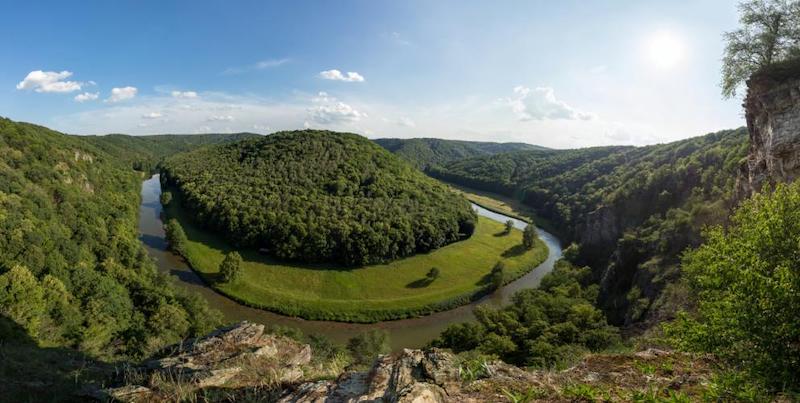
(772, 110)
(414, 376)
(434, 376)
(242, 355)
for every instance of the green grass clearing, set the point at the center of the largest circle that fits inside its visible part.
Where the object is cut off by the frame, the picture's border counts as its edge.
(395, 290)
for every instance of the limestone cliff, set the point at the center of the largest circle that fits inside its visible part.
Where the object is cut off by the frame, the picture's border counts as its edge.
(772, 110)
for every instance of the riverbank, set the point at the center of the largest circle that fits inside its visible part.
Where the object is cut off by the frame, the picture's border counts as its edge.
(504, 205)
(397, 290)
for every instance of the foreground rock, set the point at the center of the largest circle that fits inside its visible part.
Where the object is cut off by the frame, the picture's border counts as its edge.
(438, 376)
(239, 356)
(242, 363)
(412, 376)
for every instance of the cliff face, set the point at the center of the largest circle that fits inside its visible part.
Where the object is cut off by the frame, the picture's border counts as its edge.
(772, 110)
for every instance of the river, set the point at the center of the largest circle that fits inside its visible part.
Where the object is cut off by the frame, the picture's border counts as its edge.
(405, 333)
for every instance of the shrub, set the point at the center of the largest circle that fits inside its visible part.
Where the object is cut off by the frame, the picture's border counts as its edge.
(745, 279)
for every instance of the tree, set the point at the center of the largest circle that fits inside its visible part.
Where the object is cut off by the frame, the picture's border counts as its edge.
(433, 273)
(745, 279)
(770, 33)
(166, 197)
(498, 275)
(176, 237)
(529, 236)
(22, 299)
(367, 346)
(509, 226)
(230, 269)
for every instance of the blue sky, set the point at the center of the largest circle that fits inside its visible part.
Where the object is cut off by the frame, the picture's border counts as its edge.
(560, 74)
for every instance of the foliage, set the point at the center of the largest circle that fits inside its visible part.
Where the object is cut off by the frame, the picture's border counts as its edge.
(230, 269)
(144, 153)
(745, 278)
(367, 346)
(72, 269)
(543, 327)
(498, 275)
(433, 273)
(166, 198)
(317, 196)
(509, 226)
(425, 153)
(529, 236)
(770, 33)
(176, 237)
(650, 203)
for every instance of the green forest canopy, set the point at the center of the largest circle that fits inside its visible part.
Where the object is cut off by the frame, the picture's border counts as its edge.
(318, 196)
(72, 270)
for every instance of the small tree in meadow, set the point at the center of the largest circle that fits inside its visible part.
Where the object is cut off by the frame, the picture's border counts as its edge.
(509, 226)
(529, 236)
(498, 275)
(433, 273)
(230, 269)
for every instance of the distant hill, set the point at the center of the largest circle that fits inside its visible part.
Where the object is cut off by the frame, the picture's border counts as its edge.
(425, 153)
(144, 152)
(318, 196)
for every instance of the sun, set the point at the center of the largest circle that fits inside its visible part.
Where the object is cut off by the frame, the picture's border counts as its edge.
(664, 50)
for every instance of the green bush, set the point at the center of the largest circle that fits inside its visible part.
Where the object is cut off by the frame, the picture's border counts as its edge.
(746, 279)
(367, 346)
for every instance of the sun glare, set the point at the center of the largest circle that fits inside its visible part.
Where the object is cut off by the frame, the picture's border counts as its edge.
(664, 50)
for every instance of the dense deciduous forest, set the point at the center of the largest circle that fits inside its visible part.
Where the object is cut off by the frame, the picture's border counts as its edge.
(144, 153)
(318, 196)
(72, 271)
(632, 209)
(425, 153)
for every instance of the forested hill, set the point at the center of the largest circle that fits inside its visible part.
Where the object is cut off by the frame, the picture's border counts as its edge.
(72, 270)
(144, 152)
(632, 209)
(318, 196)
(427, 152)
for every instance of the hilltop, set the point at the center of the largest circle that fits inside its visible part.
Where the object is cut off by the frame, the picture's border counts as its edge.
(318, 196)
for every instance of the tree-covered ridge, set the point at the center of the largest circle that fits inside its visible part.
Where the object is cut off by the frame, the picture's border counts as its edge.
(72, 271)
(318, 196)
(634, 209)
(428, 152)
(145, 152)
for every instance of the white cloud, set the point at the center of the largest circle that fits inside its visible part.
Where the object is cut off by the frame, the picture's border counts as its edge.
(49, 81)
(87, 96)
(152, 115)
(220, 118)
(337, 75)
(122, 94)
(184, 94)
(542, 104)
(261, 65)
(329, 110)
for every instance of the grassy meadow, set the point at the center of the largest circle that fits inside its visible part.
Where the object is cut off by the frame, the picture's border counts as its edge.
(398, 289)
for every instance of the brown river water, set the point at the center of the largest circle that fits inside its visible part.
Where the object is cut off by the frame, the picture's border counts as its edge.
(405, 333)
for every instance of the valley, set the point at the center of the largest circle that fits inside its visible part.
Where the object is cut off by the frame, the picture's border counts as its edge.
(404, 333)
